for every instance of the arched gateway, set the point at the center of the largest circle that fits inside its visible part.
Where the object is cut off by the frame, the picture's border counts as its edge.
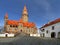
(53, 35)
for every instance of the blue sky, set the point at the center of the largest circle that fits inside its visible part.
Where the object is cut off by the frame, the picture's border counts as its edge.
(40, 11)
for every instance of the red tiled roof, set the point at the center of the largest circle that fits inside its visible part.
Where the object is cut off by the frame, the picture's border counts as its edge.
(28, 24)
(25, 24)
(13, 22)
(51, 23)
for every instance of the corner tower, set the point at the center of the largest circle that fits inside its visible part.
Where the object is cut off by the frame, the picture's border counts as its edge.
(25, 14)
(5, 21)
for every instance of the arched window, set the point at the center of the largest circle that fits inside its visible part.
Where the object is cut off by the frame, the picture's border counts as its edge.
(10, 25)
(13, 26)
(16, 26)
(52, 27)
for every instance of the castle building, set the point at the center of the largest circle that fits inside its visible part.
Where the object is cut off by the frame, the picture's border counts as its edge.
(51, 29)
(22, 25)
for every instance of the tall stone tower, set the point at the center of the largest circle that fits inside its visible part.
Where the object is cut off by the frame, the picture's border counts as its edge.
(25, 14)
(5, 21)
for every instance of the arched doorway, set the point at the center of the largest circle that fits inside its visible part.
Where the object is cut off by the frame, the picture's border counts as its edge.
(21, 30)
(53, 35)
(58, 34)
(6, 35)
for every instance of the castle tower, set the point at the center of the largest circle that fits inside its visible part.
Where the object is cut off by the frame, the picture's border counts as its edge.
(5, 21)
(25, 14)
(6, 18)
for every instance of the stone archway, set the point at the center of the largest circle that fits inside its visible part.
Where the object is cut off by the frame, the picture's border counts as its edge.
(53, 34)
(58, 34)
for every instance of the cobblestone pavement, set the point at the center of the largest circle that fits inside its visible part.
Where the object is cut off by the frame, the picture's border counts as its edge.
(26, 40)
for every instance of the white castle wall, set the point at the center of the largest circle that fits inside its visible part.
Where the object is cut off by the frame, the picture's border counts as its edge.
(2, 35)
(8, 35)
(35, 35)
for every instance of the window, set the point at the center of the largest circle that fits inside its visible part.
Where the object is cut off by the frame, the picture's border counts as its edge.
(47, 31)
(10, 25)
(43, 30)
(52, 27)
(13, 26)
(16, 26)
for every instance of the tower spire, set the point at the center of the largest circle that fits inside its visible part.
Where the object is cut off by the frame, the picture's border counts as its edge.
(6, 15)
(25, 10)
(25, 14)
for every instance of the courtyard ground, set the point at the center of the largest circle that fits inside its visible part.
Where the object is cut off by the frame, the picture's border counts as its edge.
(27, 40)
